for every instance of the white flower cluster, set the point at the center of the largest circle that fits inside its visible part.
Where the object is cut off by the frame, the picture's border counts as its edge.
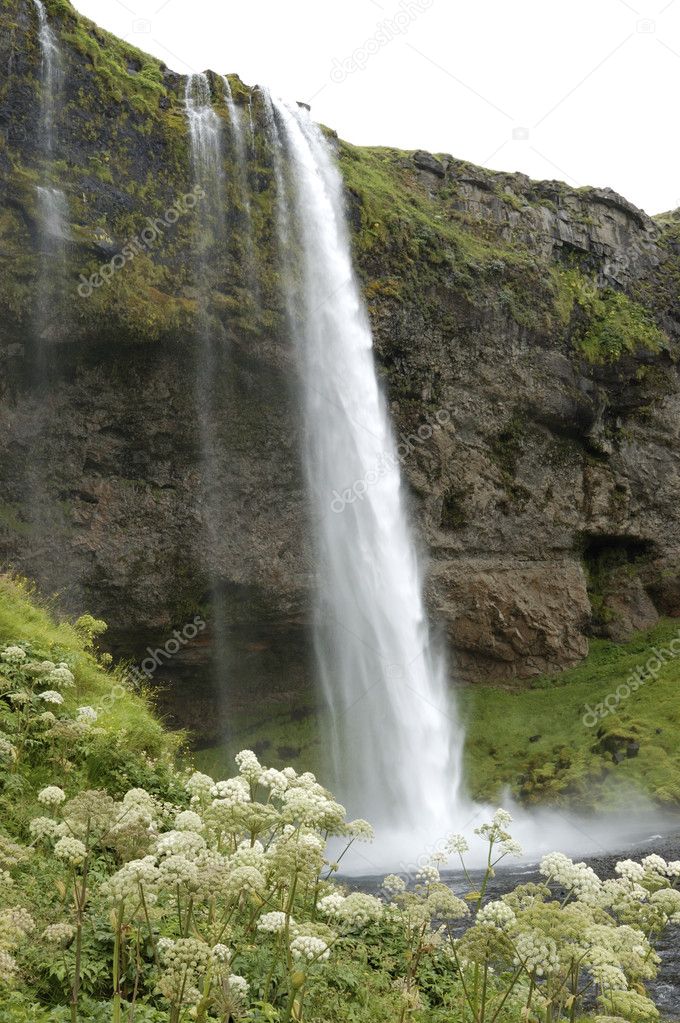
(8, 968)
(70, 850)
(187, 820)
(354, 911)
(59, 934)
(428, 875)
(180, 843)
(394, 885)
(536, 952)
(127, 881)
(14, 655)
(238, 986)
(497, 915)
(272, 923)
(86, 715)
(7, 749)
(457, 844)
(309, 949)
(578, 878)
(51, 696)
(61, 677)
(52, 795)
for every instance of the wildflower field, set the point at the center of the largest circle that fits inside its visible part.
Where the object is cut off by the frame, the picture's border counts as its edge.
(134, 889)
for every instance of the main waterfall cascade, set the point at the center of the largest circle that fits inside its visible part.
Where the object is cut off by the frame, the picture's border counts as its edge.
(394, 736)
(52, 202)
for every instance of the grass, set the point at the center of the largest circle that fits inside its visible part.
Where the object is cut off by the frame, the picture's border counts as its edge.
(24, 616)
(568, 762)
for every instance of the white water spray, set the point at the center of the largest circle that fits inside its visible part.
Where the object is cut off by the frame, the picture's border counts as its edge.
(52, 203)
(50, 77)
(395, 740)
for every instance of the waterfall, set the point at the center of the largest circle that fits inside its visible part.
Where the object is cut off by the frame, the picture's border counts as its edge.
(50, 77)
(394, 737)
(207, 165)
(241, 155)
(52, 205)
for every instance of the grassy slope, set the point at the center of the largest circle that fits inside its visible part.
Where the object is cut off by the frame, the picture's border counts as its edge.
(23, 617)
(570, 761)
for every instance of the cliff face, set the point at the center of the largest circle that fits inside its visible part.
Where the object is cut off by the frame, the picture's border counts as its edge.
(527, 335)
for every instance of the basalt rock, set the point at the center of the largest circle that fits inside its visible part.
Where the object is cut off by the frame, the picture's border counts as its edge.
(526, 333)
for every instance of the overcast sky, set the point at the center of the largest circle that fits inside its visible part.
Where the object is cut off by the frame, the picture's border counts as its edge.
(581, 90)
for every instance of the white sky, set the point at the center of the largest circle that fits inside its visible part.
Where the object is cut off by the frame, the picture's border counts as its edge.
(581, 90)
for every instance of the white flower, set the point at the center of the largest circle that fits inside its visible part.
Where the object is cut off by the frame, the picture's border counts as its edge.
(655, 864)
(8, 968)
(46, 827)
(496, 914)
(51, 696)
(354, 911)
(52, 795)
(360, 830)
(331, 905)
(187, 820)
(630, 870)
(249, 766)
(510, 847)
(310, 949)
(274, 780)
(272, 923)
(457, 844)
(221, 953)
(176, 870)
(536, 953)
(13, 655)
(86, 714)
(61, 677)
(230, 792)
(59, 934)
(199, 785)
(7, 749)
(126, 882)
(183, 843)
(16, 923)
(71, 850)
(428, 875)
(394, 885)
(238, 985)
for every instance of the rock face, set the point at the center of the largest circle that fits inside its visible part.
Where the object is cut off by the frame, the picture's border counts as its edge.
(527, 335)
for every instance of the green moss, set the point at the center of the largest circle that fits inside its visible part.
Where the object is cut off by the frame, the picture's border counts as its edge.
(609, 323)
(569, 762)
